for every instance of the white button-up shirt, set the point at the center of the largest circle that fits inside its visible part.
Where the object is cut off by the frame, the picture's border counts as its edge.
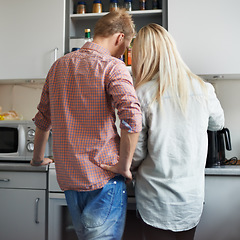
(171, 156)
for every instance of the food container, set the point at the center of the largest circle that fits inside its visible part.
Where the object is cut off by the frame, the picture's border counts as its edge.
(142, 4)
(81, 7)
(113, 5)
(97, 6)
(128, 5)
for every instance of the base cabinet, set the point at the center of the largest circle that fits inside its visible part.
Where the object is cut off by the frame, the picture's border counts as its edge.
(22, 214)
(221, 215)
(23, 209)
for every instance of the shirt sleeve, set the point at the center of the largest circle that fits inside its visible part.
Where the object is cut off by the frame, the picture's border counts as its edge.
(42, 118)
(216, 114)
(141, 149)
(123, 94)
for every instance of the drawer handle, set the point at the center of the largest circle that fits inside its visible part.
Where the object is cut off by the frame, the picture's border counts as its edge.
(4, 180)
(36, 210)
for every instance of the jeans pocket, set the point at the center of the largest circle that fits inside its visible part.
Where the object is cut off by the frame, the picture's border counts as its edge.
(98, 209)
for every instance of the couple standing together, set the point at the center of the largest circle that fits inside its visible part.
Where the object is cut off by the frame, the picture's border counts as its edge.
(164, 117)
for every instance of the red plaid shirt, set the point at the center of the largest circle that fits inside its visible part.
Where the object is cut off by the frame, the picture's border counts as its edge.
(78, 101)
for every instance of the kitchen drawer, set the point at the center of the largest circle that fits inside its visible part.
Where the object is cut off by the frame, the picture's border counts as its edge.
(27, 180)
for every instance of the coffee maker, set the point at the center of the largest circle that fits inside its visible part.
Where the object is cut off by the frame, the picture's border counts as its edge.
(218, 141)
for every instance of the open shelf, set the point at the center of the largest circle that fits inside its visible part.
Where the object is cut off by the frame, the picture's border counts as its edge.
(144, 13)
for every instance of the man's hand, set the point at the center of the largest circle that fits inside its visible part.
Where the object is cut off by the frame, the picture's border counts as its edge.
(118, 169)
(46, 161)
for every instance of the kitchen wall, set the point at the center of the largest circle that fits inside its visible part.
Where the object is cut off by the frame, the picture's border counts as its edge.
(21, 98)
(25, 98)
(228, 92)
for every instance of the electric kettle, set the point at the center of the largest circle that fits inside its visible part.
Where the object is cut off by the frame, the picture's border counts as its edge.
(218, 141)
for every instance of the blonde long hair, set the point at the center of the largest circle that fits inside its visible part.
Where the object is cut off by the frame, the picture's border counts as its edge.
(154, 51)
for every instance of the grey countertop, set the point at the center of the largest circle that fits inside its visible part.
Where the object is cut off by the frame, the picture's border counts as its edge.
(218, 170)
(223, 170)
(22, 167)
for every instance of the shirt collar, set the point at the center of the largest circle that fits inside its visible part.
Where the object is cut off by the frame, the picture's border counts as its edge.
(96, 47)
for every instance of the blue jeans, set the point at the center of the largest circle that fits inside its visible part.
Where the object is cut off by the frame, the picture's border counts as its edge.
(99, 214)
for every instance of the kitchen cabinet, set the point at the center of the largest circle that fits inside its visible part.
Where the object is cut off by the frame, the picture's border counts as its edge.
(78, 22)
(207, 35)
(32, 37)
(221, 214)
(23, 204)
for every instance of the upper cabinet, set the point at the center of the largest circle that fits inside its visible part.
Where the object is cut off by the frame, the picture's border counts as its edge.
(35, 33)
(207, 34)
(78, 22)
(32, 37)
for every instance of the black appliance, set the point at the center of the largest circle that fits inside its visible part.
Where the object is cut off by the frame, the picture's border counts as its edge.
(218, 141)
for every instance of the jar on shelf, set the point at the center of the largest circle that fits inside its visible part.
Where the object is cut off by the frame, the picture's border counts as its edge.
(142, 4)
(113, 5)
(128, 5)
(97, 6)
(81, 7)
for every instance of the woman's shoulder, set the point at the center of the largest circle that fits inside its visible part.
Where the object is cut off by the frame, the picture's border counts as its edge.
(147, 91)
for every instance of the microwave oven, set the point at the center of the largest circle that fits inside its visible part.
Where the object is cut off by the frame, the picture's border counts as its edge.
(17, 141)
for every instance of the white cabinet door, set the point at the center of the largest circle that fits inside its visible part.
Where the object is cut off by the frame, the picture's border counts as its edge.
(30, 31)
(22, 214)
(207, 34)
(221, 214)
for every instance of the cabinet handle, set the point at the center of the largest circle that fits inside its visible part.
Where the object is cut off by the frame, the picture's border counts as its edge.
(4, 180)
(55, 54)
(36, 210)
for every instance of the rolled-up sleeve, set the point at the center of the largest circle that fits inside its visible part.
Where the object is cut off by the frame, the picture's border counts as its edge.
(43, 117)
(121, 89)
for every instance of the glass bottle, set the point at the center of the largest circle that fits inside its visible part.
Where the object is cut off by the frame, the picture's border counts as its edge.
(81, 7)
(155, 4)
(142, 4)
(87, 35)
(128, 5)
(97, 6)
(113, 5)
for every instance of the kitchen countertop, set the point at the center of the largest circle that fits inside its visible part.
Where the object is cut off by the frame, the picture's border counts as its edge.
(218, 170)
(223, 170)
(22, 167)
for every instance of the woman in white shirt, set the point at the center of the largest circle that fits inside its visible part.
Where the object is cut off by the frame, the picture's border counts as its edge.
(178, 108)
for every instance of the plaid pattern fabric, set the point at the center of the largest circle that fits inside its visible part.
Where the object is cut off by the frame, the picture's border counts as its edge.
(78, 101)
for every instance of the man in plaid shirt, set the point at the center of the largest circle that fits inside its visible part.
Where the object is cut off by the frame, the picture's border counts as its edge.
(79, 98)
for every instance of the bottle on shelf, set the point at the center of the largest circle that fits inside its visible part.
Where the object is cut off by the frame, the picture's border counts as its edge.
(113, 5)
(88, 35)
(128, 54)
(97, 6)
(154, 4)
(128, 5)
(77, 43)
(142, 4)
(81, 7)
